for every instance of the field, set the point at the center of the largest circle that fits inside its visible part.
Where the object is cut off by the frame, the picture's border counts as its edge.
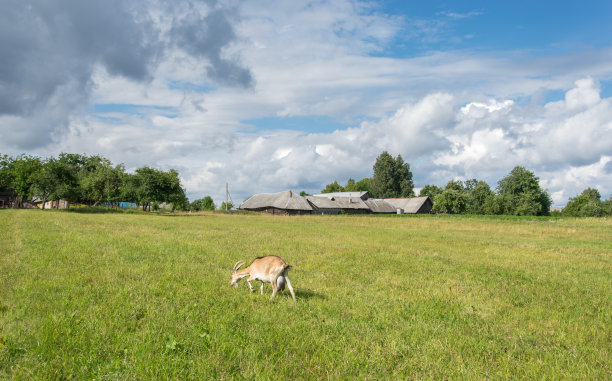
(139, 296)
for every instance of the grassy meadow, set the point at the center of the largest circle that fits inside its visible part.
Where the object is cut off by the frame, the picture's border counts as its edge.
(146, 296)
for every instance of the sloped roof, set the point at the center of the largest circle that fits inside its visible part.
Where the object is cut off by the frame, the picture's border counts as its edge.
(380, 206)
(361, 194)
(410, 205)
(337, 202)
(322, 202)
(281, 200)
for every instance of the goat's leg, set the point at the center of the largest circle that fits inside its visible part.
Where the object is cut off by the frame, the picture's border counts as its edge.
(250, 285)
(289, 285)
(273, 282)
(262, 284)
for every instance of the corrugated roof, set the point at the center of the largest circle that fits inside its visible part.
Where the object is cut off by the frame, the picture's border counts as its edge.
(410, 205)
(281, 200)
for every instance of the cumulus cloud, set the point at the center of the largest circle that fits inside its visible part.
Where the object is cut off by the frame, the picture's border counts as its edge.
(51, 49)
(178, 84)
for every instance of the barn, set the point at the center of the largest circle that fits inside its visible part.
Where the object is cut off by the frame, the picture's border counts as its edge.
(281, 203)
(412, 205)
(336, 205)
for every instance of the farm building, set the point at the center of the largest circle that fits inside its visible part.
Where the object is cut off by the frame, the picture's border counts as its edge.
(283, 203)
(289, 203)
(412, 205)
(335, 205)
(380, 206)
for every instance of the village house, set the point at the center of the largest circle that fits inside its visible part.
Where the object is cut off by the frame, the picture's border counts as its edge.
(290, 203)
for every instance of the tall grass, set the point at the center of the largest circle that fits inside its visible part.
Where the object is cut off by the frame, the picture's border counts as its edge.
(141, 296)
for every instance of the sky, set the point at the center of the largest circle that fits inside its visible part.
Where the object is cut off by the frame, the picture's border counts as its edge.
(274, 95)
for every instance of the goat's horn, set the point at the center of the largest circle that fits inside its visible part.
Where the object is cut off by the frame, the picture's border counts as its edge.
(238, 264)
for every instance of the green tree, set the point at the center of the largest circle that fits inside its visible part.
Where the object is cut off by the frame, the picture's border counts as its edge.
(54, 181)
(451, 201)
(205, 203)
(333, 187)
(480, 199)
(520, 194)
(228, 206)
(150, 185)
(392, 177)
(606, 207)
(100, 181)
(6, 174)
(454, 199)
(208, 203)
(587, 204)
(432, 191)
(20, 172)
(350, 186)
(363, 185)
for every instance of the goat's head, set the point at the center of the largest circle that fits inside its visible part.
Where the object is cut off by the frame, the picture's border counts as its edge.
(235, 277)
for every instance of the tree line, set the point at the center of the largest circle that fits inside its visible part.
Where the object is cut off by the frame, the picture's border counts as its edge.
(518, 193)
(89, 180)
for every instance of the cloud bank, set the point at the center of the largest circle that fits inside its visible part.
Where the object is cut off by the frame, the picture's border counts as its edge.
(193, 84)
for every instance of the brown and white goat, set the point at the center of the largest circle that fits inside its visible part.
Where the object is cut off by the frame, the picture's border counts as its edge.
(270, 269)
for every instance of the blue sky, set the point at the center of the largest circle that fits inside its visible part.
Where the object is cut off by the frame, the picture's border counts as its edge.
(275, 95)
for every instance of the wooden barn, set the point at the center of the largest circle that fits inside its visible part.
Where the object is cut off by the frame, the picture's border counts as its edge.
(336, 205)
(412, 205)
(282, 203)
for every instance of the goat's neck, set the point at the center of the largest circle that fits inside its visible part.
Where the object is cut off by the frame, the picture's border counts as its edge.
(243, 273)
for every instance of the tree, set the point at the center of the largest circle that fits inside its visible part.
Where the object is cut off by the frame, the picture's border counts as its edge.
(480, 199)
(454, 199)
(6, 175)
(333, 187)
(363, 185)
(587, 204)
(20, 171)
(606, 207)
(205, 203)
(150, 185)
(54, 181)
(392, 177)
(228, 206)
(432, 191)
(100, 181)
(520, 194)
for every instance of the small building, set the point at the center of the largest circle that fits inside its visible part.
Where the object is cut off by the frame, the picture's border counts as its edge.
(379, 206)
(282, 203)
(336, 205)
(412, 205)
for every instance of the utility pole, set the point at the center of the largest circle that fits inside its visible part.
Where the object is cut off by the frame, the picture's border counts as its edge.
(228, 197)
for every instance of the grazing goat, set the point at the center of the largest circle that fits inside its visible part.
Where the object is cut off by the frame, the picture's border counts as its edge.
(270, 269)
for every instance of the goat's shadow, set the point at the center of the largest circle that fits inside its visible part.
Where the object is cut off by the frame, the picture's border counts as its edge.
(308, 294)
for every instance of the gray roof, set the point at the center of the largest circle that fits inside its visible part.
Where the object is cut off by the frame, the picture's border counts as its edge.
(322, 202)
(361, 194)
(282, 200)
(337, 202)
(410, 205)
(380, 206)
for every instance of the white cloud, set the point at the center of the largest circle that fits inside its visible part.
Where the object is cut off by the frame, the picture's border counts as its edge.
(453, 114)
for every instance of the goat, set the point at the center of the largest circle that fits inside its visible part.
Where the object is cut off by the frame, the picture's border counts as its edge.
(270, 269)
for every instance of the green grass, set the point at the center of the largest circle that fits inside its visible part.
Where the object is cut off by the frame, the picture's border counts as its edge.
(142, 296)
